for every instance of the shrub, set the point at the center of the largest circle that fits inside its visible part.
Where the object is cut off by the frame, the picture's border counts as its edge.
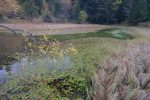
(31, 10)
(82, 16)
(138, 13)
(48, 17)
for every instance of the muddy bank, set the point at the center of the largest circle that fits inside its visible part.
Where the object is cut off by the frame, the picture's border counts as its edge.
(45, 28)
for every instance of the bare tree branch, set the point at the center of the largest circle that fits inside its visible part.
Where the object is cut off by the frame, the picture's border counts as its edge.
(9, 29)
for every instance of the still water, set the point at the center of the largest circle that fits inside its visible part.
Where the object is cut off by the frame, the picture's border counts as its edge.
(29, 65)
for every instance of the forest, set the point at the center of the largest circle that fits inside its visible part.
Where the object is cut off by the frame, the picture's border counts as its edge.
(80, 11)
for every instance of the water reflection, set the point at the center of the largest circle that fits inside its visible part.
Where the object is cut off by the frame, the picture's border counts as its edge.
(29, 65)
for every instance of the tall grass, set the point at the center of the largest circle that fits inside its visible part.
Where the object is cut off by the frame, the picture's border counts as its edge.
(124, 76)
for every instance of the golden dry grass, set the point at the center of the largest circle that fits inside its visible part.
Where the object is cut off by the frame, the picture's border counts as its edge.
(125, 75)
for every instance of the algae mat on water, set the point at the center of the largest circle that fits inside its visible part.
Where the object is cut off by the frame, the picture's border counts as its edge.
(107, 33)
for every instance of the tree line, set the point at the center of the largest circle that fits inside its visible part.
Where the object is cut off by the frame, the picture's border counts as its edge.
(53, 10)
(93, 11)
(117, 11)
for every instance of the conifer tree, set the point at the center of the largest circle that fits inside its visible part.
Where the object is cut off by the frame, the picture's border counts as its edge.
(138, 11)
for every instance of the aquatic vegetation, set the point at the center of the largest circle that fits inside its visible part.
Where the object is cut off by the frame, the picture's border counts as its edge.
(107, 33)
(64, 83)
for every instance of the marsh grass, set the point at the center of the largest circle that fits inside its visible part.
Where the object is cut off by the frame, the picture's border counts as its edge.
(124, 76)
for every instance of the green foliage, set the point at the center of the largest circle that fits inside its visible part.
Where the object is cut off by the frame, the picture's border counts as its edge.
(48, 17)
(148, 6)
(138, 12)
(100, 11)
(70, 85)
(119, 1)
(40, 5)
(31, 10)
(116, 11)
(57, 8)
(58, 85)
(82, 16)
(75, 9)
(97, 11)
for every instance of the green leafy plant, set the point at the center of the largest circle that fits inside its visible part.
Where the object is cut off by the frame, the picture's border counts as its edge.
(82, 16)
